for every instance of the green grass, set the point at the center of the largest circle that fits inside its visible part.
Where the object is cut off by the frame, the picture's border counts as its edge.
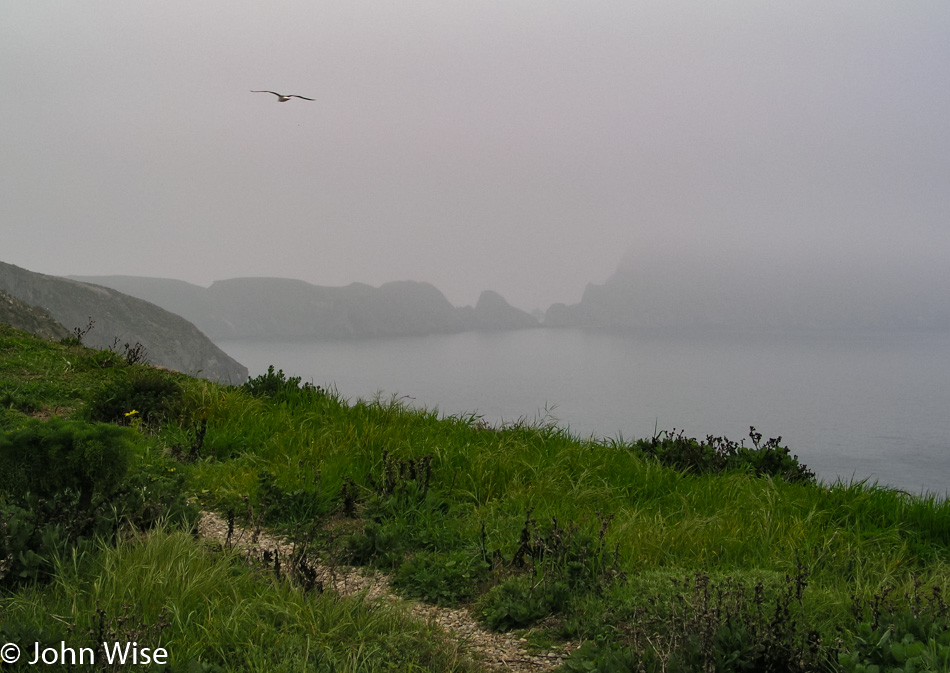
(299, 458)
(167, 590)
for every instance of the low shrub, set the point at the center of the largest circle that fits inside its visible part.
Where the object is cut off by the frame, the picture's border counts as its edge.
(50, 458)
(377, 543)
(719, 454)
(890, 651)
(443, 579)
(153, 396)
(277, 505)
(155, 493)
(18, 399)
(709, 625)
(275, 385)
(518, 602)
(557, 566)
(906, 633)
(65, 483)
(401, 512)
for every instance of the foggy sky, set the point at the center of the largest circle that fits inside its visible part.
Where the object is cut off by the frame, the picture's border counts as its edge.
(513, 145)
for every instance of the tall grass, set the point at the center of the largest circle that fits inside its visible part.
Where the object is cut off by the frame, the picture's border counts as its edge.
(168, 591)
(663, 517)
(855, 539)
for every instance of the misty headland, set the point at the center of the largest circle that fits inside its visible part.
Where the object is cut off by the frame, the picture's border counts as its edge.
(282, 308)
(655, 289)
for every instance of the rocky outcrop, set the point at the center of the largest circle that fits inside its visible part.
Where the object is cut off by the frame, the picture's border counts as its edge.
(117, 319)
(492, 312)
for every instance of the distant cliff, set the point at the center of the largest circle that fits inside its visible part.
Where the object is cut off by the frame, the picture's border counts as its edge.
(697, 293)
(169, 339)
(261, 308)
(492, 312)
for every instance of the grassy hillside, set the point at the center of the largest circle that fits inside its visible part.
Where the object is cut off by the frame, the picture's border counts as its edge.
(660, 554)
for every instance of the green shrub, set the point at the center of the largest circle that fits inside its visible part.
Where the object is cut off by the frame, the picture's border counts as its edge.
(710, 625)
(906, 633)
(154, 396)
(48, 458)
(56, 482)
(558, 567)
(153, 494)
(719, 454)
(518, 602)
(14, 631)
(17, 398)
(891, 651)
(443, 579)
(594, 657)
(64, 483)
(278, 505)
(377, 543)
(275, 385)
(401, 512)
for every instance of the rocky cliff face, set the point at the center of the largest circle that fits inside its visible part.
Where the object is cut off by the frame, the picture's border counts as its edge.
(169, 340)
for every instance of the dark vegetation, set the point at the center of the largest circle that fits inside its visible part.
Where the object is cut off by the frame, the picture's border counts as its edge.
(719, 454)
(663, 554)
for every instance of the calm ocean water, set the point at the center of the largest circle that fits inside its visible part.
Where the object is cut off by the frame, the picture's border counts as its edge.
(874, 407)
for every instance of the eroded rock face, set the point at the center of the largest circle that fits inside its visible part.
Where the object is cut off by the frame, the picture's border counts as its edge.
(118, 319)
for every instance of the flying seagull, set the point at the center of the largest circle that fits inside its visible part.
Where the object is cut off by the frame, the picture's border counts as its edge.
(281, 98)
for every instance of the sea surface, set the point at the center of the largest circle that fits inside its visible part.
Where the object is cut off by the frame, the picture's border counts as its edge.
(852, 407)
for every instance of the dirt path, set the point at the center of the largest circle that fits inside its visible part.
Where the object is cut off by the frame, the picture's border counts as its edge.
(497, 651)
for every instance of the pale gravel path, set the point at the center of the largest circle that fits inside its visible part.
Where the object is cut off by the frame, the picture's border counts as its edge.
(497, 651)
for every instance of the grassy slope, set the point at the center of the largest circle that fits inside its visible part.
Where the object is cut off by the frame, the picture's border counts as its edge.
(294, 456)
(165, 588)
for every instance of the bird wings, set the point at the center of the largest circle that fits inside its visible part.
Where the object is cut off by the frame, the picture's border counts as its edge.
(283, 97)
